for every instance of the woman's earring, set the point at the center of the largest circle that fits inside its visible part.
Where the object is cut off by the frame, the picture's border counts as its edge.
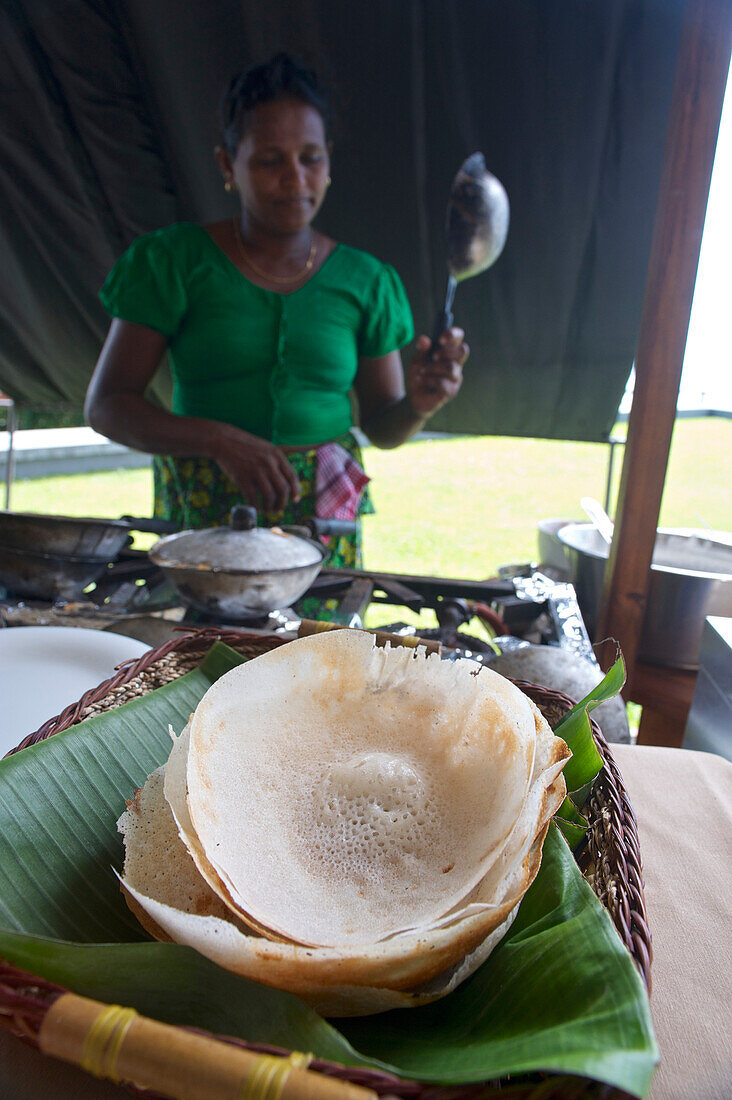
(328, 181)
(229, 186)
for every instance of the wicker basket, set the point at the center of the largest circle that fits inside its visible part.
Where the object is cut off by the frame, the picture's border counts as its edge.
(609, 859)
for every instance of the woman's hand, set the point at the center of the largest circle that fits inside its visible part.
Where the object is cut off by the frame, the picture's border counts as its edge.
(391, 414)
(258, 468)
(435, 376)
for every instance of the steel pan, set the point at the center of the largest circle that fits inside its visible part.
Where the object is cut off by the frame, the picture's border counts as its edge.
(691, 577)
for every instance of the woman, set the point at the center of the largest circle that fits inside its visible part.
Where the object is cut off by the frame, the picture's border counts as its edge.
(270, 325)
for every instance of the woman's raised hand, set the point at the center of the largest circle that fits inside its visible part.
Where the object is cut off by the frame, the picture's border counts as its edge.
(258, 468)
(435, 375)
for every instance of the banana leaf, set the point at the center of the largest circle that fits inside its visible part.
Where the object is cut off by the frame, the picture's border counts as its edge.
(560, 994)
(586, 761)
(575, 728)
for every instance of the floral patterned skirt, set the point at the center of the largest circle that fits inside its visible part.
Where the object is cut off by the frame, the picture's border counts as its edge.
(194, 492)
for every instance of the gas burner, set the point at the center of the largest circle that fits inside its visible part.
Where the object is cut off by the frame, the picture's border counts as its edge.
(519, 607)
(276, 622)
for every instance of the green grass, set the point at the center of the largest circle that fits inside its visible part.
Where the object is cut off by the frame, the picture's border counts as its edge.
(462, 506)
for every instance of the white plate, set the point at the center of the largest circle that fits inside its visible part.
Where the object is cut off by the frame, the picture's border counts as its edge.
(45, 668)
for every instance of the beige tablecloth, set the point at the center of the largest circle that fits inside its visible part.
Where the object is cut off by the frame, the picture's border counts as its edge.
(683, 802)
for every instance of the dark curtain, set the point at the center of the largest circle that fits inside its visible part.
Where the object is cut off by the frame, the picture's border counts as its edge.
(108, 121)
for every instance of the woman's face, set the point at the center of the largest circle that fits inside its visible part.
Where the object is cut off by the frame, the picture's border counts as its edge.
(281, 165)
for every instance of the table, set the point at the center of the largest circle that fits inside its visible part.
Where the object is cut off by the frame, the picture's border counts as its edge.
(683, 802)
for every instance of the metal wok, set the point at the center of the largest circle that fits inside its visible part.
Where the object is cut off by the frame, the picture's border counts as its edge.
(245, 571)
(56, 557)
(73, 536)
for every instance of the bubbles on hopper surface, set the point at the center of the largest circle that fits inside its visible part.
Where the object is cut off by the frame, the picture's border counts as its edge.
(369, 815)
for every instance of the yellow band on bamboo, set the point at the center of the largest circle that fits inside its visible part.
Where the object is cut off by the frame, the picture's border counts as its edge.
(266, 1079)
(104, 1041)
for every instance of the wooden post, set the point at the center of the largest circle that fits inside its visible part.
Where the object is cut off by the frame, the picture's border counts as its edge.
(701, 74)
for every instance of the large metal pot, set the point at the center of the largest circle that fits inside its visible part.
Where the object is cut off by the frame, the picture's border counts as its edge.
(241, 571)
(691, 577)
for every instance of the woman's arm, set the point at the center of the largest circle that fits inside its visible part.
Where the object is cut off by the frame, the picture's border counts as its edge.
(116, 407)
(392, 411)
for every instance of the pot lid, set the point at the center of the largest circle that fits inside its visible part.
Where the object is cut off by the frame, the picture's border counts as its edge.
(242, 545)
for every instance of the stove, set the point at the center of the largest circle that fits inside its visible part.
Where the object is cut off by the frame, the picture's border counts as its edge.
(521, 605)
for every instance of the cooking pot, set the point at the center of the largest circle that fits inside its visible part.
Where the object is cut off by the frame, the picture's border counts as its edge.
(691, 577)
(243, 570)
(73, 536)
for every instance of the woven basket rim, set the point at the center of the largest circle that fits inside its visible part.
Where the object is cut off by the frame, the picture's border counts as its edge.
(612, 843)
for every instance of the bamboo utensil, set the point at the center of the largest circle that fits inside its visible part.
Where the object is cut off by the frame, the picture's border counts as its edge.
(118, 1044)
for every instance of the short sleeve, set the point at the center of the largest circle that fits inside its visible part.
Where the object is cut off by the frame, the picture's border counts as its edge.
(145, 286)
(387, 323)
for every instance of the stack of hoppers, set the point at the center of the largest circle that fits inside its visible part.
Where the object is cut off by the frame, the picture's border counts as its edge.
(352, 824)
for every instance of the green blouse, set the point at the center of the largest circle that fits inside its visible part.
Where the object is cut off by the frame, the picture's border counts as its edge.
(278, 365)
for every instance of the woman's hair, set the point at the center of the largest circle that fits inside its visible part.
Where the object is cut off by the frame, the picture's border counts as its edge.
(283, 77)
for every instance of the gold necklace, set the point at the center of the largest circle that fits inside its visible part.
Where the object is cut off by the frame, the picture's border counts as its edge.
(265, 274)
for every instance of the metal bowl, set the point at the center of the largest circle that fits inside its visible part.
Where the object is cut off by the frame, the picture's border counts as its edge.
(691, 577)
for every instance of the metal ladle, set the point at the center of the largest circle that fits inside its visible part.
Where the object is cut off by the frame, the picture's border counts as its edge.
(599, 517)
(476, 229)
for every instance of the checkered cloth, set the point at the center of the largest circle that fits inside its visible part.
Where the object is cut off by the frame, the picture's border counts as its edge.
(339, 483)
